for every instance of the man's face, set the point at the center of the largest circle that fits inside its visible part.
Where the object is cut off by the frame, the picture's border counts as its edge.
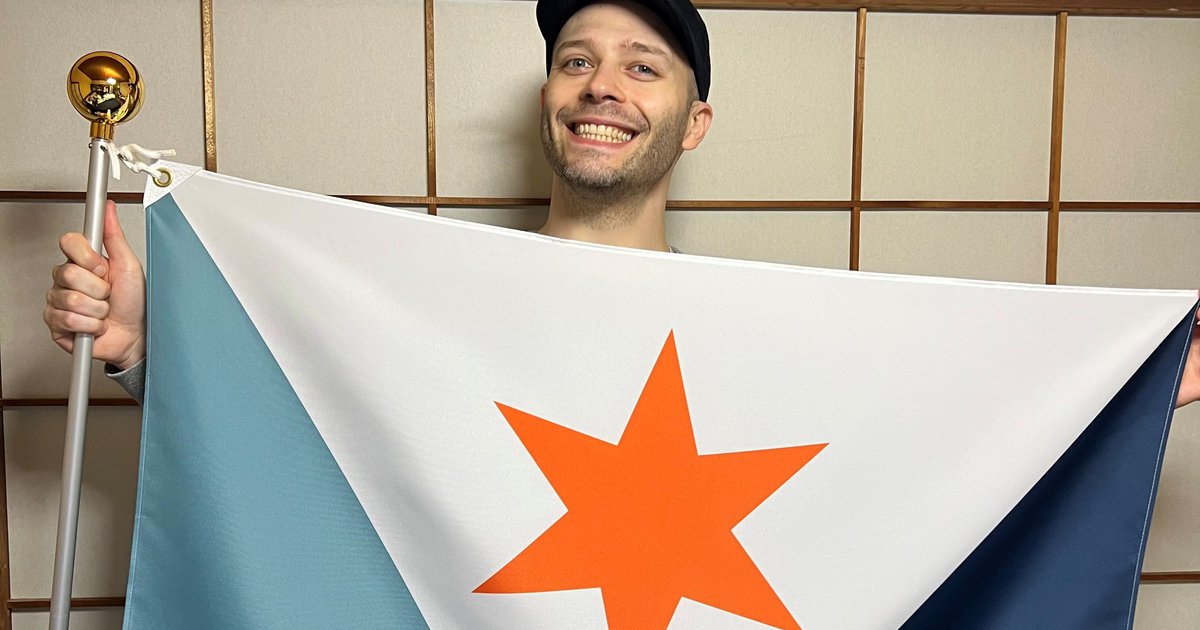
(616, 106)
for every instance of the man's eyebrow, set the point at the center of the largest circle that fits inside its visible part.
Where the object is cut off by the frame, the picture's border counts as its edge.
(573, 43)
(647, 48)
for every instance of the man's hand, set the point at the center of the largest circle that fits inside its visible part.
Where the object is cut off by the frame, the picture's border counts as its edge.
(105, 297)
(1189, 385)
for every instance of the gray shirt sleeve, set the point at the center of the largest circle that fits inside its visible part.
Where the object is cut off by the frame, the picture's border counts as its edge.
(132, 380)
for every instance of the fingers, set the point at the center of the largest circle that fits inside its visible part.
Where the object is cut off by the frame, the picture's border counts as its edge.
(76, 302)
(97, 295)
(115, 243)
(75, 247)
(71, 277)
(66, 342)
(65, 323)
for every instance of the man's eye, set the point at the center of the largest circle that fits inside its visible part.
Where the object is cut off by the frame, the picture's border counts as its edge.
(576, 63)
(642, 68)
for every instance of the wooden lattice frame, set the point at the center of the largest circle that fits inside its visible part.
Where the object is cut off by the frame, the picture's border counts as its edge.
(854, 204)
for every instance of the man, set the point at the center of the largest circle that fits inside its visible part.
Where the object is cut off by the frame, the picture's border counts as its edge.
(624, 98)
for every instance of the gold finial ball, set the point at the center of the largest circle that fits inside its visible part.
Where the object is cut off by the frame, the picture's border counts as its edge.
(105, 89)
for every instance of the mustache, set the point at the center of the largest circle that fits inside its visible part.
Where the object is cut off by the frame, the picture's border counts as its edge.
(602, 111)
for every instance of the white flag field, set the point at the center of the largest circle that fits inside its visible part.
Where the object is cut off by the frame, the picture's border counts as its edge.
(360, 416)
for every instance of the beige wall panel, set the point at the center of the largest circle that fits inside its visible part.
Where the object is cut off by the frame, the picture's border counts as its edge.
(1006, 246)
(81, 619)
(33, 443)
(322, 96)
(1130, 125)
(490, 68)
(1130, 249)
(1149, 250)
(29, 233)
(45, 139)
(810, 238)
(783, 105)
(517, 218)
(1168, 607)
(957, 106)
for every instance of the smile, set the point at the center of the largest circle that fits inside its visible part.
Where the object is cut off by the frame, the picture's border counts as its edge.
(602, 133)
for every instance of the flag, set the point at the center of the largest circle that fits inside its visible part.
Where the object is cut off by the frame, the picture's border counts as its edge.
(363, 417)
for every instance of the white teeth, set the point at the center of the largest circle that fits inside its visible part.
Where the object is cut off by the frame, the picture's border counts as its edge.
(602, 133)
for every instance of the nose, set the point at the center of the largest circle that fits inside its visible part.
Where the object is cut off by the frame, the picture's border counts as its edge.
(604, 84)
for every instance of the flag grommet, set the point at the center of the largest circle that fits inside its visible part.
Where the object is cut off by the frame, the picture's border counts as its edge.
(164, 178)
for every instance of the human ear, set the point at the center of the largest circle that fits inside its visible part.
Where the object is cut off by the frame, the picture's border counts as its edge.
(699, 120)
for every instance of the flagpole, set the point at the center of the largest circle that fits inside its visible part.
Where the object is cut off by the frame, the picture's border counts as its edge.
(107, 90)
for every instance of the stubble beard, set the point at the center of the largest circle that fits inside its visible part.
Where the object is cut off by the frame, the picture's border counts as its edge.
(610, 195)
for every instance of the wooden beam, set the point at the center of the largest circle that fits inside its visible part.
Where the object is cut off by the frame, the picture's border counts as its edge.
(1158, 8)
(430, 114)
(43, 604)
(54, 196)
(33, 604)
(64, 196)
(1171, 577)
(209, 86)
(760, 204)
(932, 204)
(5, 567)
(856, 152)
(1056, 131)
(13, 403)
(1130, 206)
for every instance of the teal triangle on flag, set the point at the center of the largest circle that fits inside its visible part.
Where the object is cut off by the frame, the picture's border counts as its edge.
(244, 519)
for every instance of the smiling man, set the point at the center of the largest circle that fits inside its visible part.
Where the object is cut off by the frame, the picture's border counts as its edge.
(624, 98)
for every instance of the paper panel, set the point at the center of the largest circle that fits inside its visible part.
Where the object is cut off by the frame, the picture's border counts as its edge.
(81, 619)
(1008, 246)
(783, 101)
(46, 140)
(813, 238)
(957, 106)
(1168, 607)
(329, 99)
(33, 451)
(1129, 119)
(490, 69)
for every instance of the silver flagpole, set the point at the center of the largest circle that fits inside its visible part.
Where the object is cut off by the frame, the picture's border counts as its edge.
(107, 90)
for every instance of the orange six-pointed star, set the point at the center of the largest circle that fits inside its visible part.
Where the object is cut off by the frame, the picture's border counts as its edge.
(649, 521)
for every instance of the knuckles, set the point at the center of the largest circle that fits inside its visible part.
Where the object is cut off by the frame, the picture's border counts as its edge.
(77, 302)
(75, 278)
(74, 322)
(72, 301)
(64, 274)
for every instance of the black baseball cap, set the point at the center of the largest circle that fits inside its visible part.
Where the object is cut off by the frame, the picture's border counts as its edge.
(679, 15)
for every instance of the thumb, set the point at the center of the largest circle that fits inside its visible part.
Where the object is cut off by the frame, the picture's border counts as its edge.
(120, 254)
